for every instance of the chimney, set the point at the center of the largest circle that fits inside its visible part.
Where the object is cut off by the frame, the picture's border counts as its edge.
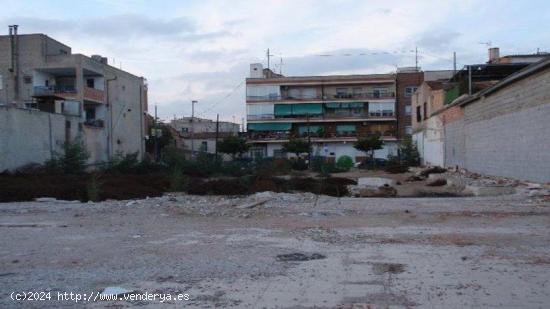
(494, 55)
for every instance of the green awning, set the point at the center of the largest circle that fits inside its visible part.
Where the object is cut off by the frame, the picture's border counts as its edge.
(283, 109)
(333, 105)
(356, 105)
(312, 129)
(344, 105)
(310, 108)
(345, 128)
(269, 126)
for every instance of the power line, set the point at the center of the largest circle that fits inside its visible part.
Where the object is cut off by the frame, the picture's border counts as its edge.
(209, 108)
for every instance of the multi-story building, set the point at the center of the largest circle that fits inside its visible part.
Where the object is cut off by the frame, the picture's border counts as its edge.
(199, 134)
(51, 96)
(331, 111)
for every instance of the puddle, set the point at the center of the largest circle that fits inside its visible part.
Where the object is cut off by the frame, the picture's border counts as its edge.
(299, 257)
(392, 268)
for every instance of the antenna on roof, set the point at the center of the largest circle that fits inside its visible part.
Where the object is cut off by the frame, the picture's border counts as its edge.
(268, 56)
(281, 66)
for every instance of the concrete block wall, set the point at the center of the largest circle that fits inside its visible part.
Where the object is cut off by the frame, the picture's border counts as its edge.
(507, 133)
(513, 145)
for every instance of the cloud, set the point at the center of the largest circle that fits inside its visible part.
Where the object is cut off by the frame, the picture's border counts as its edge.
(202, 49)
(437, 40)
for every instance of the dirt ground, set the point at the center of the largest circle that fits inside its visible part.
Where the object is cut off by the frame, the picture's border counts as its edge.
(280, 250)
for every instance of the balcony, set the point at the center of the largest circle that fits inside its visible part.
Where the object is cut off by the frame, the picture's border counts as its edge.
(93, 94)
(375, 115)
(337, 96)
(95, 123)
(59, 91)
(315, 136)
(364, 95)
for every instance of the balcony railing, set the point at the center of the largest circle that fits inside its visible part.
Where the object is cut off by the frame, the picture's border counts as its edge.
(51, 90)
(337, 96)
(279, 135)
(94, 94)
(365, 115)
(97, 123)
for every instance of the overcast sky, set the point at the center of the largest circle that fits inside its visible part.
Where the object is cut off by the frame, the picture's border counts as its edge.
(202, 49)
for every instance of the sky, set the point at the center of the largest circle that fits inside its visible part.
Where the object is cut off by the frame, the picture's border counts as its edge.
(201, 50)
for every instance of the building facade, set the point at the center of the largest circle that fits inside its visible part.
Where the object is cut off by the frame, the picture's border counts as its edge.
(498, 130)
(93, 102)
(199, 135)
(331, 111)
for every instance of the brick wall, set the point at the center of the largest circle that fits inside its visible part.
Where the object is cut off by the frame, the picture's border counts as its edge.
(403, 80)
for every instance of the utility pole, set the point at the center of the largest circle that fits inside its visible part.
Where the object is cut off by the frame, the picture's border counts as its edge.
(454, 63)
(281, 66)
(268, 55)
(416, 58)
(308, 143)
(193, 128)
(217, 133)
(156, 136)
(469, 80)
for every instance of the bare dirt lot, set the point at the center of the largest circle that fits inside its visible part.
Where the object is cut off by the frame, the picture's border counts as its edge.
(282, 250)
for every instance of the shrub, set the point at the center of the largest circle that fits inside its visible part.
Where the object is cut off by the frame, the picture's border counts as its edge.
(395, 166)
(299, 165)
(233, 145)
(178, 181)
(93, 188)
(344, 163)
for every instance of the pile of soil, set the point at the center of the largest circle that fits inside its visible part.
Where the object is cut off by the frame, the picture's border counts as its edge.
(332, 186)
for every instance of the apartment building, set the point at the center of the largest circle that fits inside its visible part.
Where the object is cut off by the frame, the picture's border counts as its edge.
(332, 111)
(199, 134)
(50, 96)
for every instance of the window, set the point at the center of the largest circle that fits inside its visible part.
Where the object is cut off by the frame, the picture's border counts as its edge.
(90, 113)
(204, 146)
(409, 91)
(257, 152)
(184, 130)
(342, 93)
(380, 92)
(90, 83)
(418, 114)
(381, 109)
(425, 110)
(279, 153)
(27, 79)
(357, 92)
(408, 110)
(408, 130)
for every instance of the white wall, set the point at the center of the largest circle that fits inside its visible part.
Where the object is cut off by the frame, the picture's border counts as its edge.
(30, 136)
(430, 142)
(339, 149)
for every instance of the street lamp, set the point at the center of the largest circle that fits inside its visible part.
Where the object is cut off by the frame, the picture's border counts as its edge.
(193, 127)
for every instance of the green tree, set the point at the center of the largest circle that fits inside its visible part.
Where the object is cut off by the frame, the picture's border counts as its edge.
(74, 158)
(233, 145)
(408, 152)
(165, 139)
(369, 145)
(296, 146)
